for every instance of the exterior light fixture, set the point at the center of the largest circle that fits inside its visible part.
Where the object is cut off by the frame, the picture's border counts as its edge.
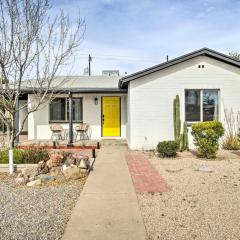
(96, 101)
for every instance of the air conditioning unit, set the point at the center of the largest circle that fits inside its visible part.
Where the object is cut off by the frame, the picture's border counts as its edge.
(110, 72)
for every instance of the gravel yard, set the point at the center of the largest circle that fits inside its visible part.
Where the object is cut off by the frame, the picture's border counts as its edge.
(201, 205)
(36, 212)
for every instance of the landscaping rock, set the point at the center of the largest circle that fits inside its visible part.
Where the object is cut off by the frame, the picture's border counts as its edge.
(49, 163)
(56, 159)
(41, 164)
(32, 179)
(57, 173)
(45, 177)
(72, 173)
(77, 156)
(20, 180)
(174, 170)
(42, 168)
(64, 167)
(84, 163)
(36, 213)
(30, 172)
(204, 169)
(84, 170)
(34, 183)
(70, 161)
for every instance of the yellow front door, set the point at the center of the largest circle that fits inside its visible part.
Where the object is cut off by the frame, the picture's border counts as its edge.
(111, 117)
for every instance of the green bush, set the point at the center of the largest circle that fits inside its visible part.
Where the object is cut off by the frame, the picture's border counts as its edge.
(167, 148)
(206, 137)
(22, 156)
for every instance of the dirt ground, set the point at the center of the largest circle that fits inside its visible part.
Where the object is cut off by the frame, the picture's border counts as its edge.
(202, 204)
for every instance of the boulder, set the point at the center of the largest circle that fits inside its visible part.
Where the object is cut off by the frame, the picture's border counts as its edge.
(84, 170)
(70, 161)
(20, 175)
(34, 183)
(42, 168)
(41, 164)
(21, 180)
(56, 159)
(72, 173)
(32, 179)
(56, 172)
(49, 164)
(84, 163)
(73, 166)
(77, 156)
(204, 168)
(64, 167)
(45, 177)
(30, 172)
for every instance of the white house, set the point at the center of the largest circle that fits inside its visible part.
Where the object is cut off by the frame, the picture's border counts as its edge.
(139, 107)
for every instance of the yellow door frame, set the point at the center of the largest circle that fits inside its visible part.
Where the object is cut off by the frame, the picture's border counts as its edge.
(119, 115)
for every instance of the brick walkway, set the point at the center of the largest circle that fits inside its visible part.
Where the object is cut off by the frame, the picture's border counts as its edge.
(144, 176)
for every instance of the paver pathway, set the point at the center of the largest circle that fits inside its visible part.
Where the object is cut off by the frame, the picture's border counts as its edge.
(145, 177)
(107, 207)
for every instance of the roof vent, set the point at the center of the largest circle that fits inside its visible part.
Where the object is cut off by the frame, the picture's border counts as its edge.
(110, 72)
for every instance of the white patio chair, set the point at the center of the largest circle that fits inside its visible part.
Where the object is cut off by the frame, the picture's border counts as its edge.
(56, 131)
(82, 130)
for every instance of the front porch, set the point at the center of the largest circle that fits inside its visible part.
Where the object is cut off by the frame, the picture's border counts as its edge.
(103, 119)
(24, 142)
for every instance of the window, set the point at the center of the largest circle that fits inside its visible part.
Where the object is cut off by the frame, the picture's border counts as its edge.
(59, 110)
(210, 105)
(201, 105)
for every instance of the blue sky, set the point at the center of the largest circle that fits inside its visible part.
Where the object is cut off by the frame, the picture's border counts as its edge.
(131, 35)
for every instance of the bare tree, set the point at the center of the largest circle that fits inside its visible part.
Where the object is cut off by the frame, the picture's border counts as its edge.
(33, 45)
(235, 55)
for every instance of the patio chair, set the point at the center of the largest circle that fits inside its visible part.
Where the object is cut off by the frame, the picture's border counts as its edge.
(82, 130)
(56, 131)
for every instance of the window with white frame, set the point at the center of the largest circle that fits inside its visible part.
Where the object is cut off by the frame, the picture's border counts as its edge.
(201, 105)
(59, 110)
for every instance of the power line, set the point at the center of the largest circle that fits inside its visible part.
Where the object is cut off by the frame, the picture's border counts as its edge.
(118, 57)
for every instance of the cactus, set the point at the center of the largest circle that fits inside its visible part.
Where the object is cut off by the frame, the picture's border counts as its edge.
(176, 118)
(181, 138)
(184, 138)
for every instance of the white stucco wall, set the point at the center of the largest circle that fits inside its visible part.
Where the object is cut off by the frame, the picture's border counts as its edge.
(22, 114)
(150, 98)
(38, 122)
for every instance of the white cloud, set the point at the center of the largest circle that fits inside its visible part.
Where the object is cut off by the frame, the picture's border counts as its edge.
(152, 29)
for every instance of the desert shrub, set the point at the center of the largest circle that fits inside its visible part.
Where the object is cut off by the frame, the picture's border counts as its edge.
(206, 137)
(231, 143)
(167, 148)
(21, 156)
(231, 139)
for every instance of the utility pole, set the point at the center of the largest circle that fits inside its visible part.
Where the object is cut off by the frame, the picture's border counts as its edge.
(89, 64)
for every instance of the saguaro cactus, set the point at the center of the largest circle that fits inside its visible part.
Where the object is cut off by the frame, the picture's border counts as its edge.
(176, 118)
(184, 138)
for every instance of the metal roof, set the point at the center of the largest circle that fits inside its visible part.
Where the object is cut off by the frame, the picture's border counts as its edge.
(123, 82)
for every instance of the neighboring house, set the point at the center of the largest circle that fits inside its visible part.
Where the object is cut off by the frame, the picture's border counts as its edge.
(139, 107)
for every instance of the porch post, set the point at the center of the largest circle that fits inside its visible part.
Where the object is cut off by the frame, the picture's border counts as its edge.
(16, 121)
(70, 130)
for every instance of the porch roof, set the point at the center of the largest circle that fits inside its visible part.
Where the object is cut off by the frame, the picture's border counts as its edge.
(80, 84)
